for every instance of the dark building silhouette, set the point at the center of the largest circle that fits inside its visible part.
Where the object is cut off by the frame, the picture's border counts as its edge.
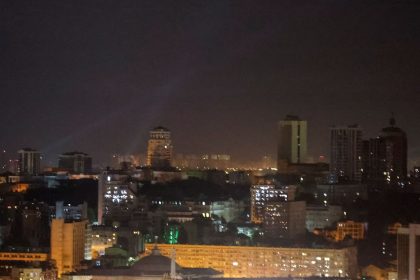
(385, 157)
(159, 148)
(75, 162)
(346, 153)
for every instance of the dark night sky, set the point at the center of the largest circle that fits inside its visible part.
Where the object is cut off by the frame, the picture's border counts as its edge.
(97, 75)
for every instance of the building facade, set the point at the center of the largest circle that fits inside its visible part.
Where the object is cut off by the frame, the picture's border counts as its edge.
(292, 141)
(68, 244)
(257, 262)
(116, 197)
(355, 230)
(75, 162)
(285, 219)
(320, 216)
(29, 161)
(159, 148)
(408, 252)
(261, 195)
(346, 153)
(385, 157)
(230, 209)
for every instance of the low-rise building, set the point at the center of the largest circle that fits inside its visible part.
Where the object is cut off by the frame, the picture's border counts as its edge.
(321, 216)
(257, 262)
(355, 230)
(229, 210)
(153, 266)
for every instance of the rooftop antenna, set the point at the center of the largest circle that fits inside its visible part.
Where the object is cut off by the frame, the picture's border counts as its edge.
(392, 119)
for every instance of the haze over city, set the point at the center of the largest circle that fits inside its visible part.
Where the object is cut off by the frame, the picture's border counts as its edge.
(97, 76)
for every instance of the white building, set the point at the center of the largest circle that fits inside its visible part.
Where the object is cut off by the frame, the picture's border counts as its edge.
(408, 252)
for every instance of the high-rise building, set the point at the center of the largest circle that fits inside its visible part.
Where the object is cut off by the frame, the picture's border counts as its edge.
(261, 195)
(68, 244)
(75, 162)
(395, 140)
(116, 197)
(346, 153)
(292, 141)
(159, 148)
(385, 157)
(29, 161)
(408, 252)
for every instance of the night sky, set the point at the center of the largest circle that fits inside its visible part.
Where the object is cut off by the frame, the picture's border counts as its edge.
(95, 76)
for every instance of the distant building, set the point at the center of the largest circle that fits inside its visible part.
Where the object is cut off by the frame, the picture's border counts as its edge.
(70, 212)
(385, 157)
(285, 219)
(265, 262)
(68, 244)
(408, 252)
(340, 194)
(215, 161)
(240, 177)
(261, 195)
(292, 141)
(320, 216)
(164, 176)
(75, 162)
(230, 209)
(346, 153)
(116, 197)
(355, 230)
(29, 161)
(187, 161)
(159, 148)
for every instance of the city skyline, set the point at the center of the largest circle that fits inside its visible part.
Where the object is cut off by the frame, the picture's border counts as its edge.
(174, 140)
(98, 78)
(141, 156)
